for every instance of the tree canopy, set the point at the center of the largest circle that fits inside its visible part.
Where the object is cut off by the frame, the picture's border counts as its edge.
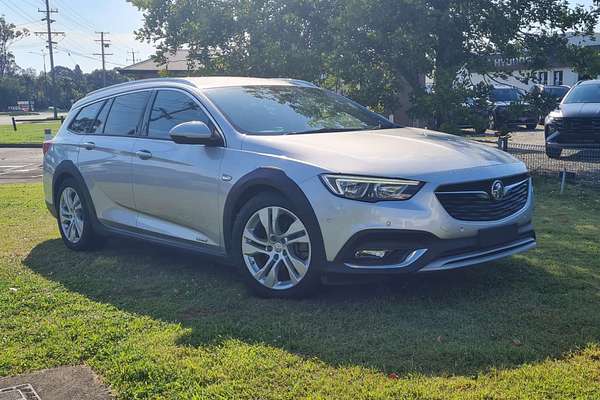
(377, 50)
(8, 35)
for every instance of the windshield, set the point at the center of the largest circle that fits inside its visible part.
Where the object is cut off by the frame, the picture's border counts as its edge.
(584, 94)
(557, 92)
(281, 110)
(506, 95)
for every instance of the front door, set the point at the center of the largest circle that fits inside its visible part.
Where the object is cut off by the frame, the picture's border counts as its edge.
(176, 186)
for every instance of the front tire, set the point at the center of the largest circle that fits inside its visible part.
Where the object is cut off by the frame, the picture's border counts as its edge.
(531, 127)
(275, 248)
(74, 221)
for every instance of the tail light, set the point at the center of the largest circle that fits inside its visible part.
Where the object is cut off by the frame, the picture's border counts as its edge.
(46, 146)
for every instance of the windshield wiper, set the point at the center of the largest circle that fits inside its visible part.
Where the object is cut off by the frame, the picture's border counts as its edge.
(332, 130)
(326, 130)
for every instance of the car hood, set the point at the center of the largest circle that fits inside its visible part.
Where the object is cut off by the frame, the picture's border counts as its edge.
(402, 152)
(580, 110)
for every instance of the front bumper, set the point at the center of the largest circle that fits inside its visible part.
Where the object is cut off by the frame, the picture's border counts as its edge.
(424, 252)
(559, 139)
(341, 220)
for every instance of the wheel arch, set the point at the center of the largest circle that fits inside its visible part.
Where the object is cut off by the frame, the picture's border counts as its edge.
(267, 179)
(67, 170)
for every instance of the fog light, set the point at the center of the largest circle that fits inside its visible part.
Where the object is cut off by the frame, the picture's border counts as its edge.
(371, 254)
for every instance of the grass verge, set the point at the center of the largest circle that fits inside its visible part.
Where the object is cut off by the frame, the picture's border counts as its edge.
(26, 133)
(157, 323)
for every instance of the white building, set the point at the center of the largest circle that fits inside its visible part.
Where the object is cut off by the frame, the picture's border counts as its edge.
(556, 75)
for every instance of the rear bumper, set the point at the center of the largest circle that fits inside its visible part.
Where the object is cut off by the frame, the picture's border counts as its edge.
(424, 252)
(502, 117)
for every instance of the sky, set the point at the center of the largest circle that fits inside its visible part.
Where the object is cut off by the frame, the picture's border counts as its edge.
(80, 19)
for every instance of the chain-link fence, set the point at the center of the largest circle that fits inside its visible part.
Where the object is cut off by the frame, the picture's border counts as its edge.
(579, 165)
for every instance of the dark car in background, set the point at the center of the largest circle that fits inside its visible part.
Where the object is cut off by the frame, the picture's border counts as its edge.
(509, 109)
(576, 122)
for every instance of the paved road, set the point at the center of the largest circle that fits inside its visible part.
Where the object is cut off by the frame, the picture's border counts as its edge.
(528, 137)
(521, 137)
(20, 165)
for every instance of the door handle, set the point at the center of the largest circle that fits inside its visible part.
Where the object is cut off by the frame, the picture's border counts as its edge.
(143, 154)
(89, 145)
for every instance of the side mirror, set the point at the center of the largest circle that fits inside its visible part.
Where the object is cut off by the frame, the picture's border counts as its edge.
(194, 132)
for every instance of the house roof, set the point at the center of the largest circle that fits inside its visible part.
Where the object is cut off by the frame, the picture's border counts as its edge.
(175, 62)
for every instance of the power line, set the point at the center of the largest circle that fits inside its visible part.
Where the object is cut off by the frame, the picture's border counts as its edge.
(18, 10)
(83, 55)
(82, 20)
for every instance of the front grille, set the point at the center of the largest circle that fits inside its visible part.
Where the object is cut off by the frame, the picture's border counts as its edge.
(472, 201)
(579, 129)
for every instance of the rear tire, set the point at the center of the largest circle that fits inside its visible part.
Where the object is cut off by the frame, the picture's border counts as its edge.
(553, 152)
(74, 218)
(531, 127)
(281, 259)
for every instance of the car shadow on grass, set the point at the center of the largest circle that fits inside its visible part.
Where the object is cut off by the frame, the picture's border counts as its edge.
(461, 322)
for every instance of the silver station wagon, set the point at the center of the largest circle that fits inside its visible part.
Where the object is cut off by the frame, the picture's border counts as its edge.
(285, 180)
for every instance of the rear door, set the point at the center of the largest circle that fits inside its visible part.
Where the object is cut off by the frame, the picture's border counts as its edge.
(106, 155)
(176, 185)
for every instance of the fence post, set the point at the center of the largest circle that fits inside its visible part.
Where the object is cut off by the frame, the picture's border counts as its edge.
(563, 178)
(14, 124)
(62, 119)
(503, 142)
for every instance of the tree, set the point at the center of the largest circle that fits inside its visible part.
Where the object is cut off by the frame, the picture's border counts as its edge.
(375, 50)
(244, 37)
(8, 35)
(471, 35)
(93, 80)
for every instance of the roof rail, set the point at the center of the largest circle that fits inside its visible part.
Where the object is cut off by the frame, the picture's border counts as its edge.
(298, 81)
(142, 81)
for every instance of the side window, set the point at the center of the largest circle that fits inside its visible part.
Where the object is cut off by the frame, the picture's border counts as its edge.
(98, 125)
(85, 118)
(172, 108)
(126, 113)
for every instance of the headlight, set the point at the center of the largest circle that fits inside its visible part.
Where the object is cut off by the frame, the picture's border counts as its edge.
(555, 117)
(371, 189)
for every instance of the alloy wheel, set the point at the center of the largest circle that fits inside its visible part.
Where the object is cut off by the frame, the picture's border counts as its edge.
(276, 248)
(71, 215)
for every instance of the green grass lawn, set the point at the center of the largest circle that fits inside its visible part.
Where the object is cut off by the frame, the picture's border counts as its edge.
(26, 132)
(158, 323)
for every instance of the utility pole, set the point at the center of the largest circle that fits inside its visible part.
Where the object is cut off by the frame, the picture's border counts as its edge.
(132, 59)
(48, 11)
(43, 54)
(104, 44)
